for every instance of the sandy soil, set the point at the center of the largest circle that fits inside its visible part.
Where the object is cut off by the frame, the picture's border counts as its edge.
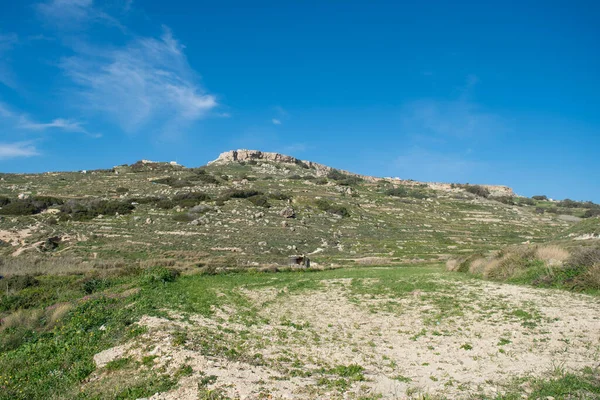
(406, 346)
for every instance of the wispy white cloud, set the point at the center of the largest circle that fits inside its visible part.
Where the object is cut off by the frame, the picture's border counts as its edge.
(73, 14)
(282, 115)
(17, 149)
(147, 81)
(19, 121)
(59, 123)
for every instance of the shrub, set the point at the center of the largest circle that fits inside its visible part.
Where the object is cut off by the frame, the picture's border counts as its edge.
(260, 201)
(82, 211)
(20, 282)
(591, 213)
(163, 275)
(504, 200)
(94, 284)
(4, 201)
(108, 207)
(336, 175)
(343, 179)
(405, 192)
(173, 182)
(183, 217)
(326, 206)
(568, 203)
(295, 177)
(526, 201)
(20, 207)
(321, 181)
(302, 164)
(280, 196)
(121, 190)
(165, 204)
(540, 197)
(477, 190)
(46, 201)
(397, 192)
(147, 200)
(190, 199)
(240, 194)
(584, 257)
(204, 178)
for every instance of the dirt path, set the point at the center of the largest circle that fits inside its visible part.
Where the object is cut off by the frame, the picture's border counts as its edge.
(338, 341)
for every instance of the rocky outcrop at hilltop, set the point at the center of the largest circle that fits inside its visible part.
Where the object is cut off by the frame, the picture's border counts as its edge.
(247, 155)
(257, 155)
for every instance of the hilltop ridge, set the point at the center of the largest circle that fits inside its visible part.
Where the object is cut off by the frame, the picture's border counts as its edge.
(243, 155)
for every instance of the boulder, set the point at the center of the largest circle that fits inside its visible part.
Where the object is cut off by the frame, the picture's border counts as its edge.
(288, 212)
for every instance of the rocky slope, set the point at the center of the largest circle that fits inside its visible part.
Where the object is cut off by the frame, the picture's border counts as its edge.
(253, 209)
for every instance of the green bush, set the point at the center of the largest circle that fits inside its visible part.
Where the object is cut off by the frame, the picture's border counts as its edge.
(302, 164)
(568, 203)
(147, 200)
(540, 197)
(326, 206)
(477, 190)
(260, 201)
(44, 202)
(94, 284)
(183, 217)
(397, 192)
(321, 181)
(20, 207)
(163, 275)
(591, 213)
(204, 178)
(4, 201)
(504, 200)
(20, 282)
(280, 196)
(240, 194)
(86, 210)
(405, 192)
(173, 182)
(190, 199)
(165, 204)
(344, 179)
(526, 201)
(121, 190)
(29, 206)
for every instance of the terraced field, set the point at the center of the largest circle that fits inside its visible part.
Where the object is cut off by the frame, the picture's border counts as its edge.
(425, 225)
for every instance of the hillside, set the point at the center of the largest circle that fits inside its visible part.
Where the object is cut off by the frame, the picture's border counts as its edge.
(250, 208)
(153, 280)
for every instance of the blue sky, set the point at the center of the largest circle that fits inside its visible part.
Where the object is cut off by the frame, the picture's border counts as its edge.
(482, 92)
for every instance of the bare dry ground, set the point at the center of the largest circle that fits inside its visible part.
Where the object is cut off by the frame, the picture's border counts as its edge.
(369, 337)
